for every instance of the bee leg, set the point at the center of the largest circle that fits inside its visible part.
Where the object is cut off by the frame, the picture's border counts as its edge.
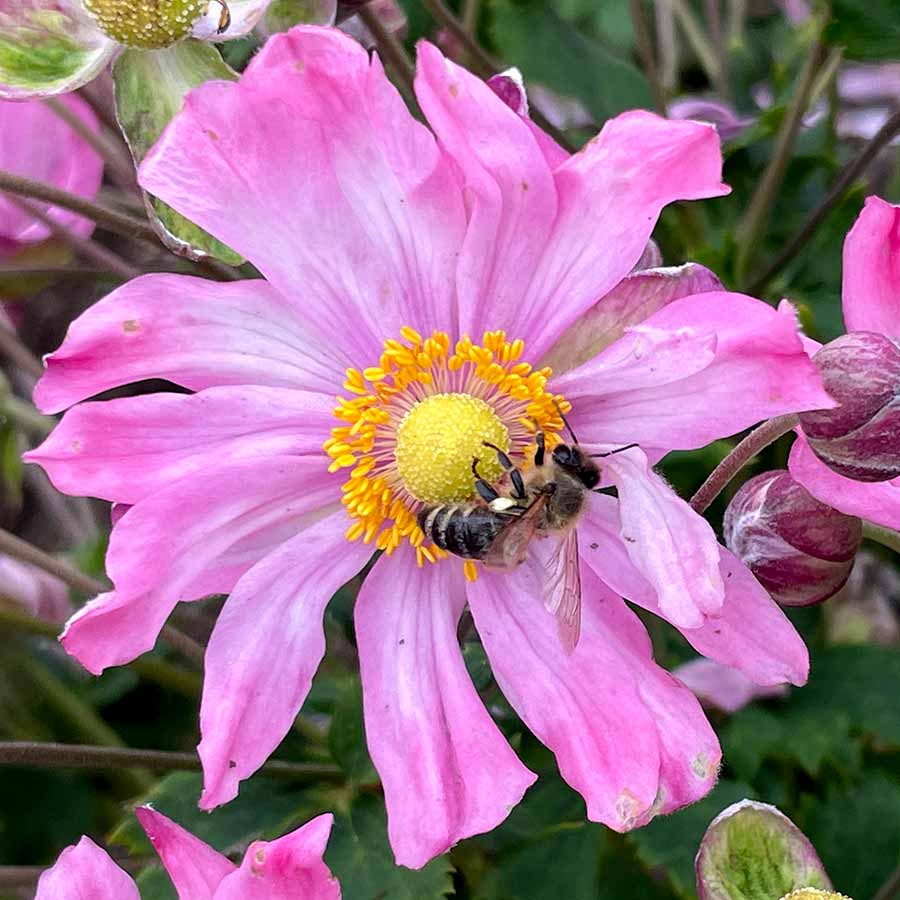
(541, 449)
(485, 491)
(514, 474)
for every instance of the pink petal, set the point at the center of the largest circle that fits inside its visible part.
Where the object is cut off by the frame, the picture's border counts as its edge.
(194, 867)
(674, 548)
(878, 502)
(721, 686)
(314, 170)
(38, 144)
(632, 300)
(290, 868)
(871, 290)
(511, 195)
(585, 706)
(85, 871)
(192, 331)
(123, 450)
(447, 771)
(265, 649)
(750, 633)
(610, 195)
(188, 539)
(39, 594)
(243, 17)
(759, 369)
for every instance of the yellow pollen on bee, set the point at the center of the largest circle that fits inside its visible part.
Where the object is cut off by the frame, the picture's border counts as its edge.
(147, 24)
(413, 423)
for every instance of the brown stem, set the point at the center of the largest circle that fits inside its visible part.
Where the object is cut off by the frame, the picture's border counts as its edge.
(109, 219)
(648, 57)
(18, 354)
(891, 887)
(848, 175)
(750, 446)
(391, 48)
(87, 756)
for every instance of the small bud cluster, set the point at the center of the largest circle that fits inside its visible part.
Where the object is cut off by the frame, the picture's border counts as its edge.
(147, 24)
(799, 549)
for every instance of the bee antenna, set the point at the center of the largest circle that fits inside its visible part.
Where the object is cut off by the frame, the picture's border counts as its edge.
(613, 452)
(565, 420)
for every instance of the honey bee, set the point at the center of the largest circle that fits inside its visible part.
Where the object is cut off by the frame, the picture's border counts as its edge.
(546, 501)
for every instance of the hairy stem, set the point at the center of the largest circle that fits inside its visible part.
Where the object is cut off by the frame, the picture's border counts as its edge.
(18, 354)
(750, 446)
(394, 52)
(648, 57)
(85, 756)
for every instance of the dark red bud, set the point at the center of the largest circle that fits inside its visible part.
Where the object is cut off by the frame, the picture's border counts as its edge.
(799, 549)
(860, 439)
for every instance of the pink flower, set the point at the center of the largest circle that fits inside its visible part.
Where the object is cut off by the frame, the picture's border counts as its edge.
(36, 143)
(383, 245)
(39, 594)
(285, 869)
(871, 301)
(723, 687)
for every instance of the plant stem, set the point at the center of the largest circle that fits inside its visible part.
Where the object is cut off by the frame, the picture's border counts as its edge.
(697, 38)
(18, 354)
(159, 671)
(891, 887)
(887, 537)
(750, 446)
(470, 12)
(713, 15)
(24, 415)
(393, 51)
(648, 58)
(109, 219)
(848, 175)
(750, 229)
(84, 756)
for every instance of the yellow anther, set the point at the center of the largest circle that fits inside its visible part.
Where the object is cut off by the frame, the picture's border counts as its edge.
(411, 334)
(470, 570)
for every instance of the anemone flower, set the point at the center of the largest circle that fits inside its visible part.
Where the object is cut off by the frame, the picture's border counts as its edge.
(284, 869)
(424, 276)
(871, 304)
(38, 144)
(52, 47)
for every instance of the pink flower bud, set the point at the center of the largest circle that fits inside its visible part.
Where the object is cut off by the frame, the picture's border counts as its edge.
(799, 549)
(860, 439)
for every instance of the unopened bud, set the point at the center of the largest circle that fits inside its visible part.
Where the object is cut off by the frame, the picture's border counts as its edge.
(799, 549)
(147, 25)
(860, 439)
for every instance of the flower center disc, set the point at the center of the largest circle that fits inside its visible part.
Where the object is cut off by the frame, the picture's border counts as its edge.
(147, 24)
(437, 441)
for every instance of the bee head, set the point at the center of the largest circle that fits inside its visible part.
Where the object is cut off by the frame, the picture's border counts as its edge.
(570, 458)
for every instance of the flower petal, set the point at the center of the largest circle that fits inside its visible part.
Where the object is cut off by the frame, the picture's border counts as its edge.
(750, 633)
(511, 195)
(243, 16)
(877, 501)
(610, 196)
(871, 284)
(194, 867)
(721, 686)
(49, 47)
(632, 300)
(192, 331)
(314, 170)
(64, 160)
(448, 772)
(39, 594)
(672, 546)
(85, 871)
(287, 869)
(123, 450)
(585, 706)
(163, 547)
(265, 649)
(759, 370)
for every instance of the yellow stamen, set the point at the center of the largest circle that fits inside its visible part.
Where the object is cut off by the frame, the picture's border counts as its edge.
(470, 570)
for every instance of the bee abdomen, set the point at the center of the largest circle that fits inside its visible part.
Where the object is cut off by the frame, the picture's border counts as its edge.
(466, 531)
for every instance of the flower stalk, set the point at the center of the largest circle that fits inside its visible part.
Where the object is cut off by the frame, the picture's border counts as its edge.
(744, 451)
(887, 537)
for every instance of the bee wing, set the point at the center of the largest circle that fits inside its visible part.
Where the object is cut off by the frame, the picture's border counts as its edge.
(510, 547)
(562, 589)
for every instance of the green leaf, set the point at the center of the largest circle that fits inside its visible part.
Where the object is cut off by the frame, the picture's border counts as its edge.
(149, 88)
(548, 50)
(154, 884)
(671, 842)
(361, 859)
(869, 30)
(347, 735)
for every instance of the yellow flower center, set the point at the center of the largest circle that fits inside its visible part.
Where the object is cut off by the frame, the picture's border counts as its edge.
(814, 894)
(147, 24)
(437, 441)
(415, 422)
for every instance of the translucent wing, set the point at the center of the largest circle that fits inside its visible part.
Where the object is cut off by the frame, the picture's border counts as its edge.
(562, 589)
(510, 547)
